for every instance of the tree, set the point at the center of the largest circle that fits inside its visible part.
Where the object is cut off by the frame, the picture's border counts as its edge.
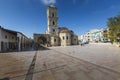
(114, 28)
(105, 33)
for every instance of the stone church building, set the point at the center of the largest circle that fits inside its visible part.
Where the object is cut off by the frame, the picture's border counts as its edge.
(55, 35)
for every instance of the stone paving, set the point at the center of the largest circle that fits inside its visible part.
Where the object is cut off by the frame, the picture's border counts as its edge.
(15, 64)
(103, 54)
(89, 62)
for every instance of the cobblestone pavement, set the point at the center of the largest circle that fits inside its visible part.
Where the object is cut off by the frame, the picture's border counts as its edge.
(61, 63)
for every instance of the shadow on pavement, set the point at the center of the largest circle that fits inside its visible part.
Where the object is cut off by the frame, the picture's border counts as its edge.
(5, 79)
(29, 49)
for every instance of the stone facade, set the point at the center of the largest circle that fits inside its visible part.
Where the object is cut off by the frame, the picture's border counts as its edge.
(74, 40)
(65, 37)
(42, 39)
(55, 41)
(57, 36)
(52, 21)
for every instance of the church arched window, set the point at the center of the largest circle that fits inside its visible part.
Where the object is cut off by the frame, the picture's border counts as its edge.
(54, 40)
(63, 38)
(53, 15)
(53, 23)
(67, 37)
(53, 30)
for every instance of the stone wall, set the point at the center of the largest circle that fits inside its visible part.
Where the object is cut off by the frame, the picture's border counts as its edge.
(65, 39)
(55, 41)
(74, 40)
(39, 38)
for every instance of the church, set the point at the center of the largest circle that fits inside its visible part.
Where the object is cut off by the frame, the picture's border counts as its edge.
(55, 35)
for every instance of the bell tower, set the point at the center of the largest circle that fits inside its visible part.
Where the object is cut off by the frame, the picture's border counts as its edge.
(52, 20)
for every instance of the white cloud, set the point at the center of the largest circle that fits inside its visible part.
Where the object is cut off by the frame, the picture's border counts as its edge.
(46, 2)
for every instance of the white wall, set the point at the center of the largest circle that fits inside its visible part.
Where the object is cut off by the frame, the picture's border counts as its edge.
(9, 37)
(93, 35)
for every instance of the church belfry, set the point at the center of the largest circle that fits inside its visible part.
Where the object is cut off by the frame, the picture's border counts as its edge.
(52, 20)
(54, 35)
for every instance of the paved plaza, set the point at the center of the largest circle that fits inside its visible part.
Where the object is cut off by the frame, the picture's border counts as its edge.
(89, 62)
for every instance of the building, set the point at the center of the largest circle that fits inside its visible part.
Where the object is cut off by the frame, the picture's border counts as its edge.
(13, 41)
(23, 42)
(52, 20)
(67, 37)
(55, 35)
(8, 40)
(94, 35)
(106, 35)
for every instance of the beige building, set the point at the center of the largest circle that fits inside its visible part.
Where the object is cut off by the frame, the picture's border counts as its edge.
(65, 37)
(52, 21)
(42, 39)
(12, 40)
(54, 35)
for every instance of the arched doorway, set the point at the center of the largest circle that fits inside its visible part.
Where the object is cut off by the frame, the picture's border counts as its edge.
(42, 40)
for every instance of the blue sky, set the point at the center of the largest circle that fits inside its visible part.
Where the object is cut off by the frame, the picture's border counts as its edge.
(29, 16)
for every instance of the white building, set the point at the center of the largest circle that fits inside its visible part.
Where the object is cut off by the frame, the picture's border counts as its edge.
(12, 40)
(8, 39)
(94, 35)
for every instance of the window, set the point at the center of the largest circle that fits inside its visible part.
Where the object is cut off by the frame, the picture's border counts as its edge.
(12, 37)
(5, 36)
(54, 40)
(63, 38)
(67, 37)
(53, 23)
(53, 30)
(52, 14)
